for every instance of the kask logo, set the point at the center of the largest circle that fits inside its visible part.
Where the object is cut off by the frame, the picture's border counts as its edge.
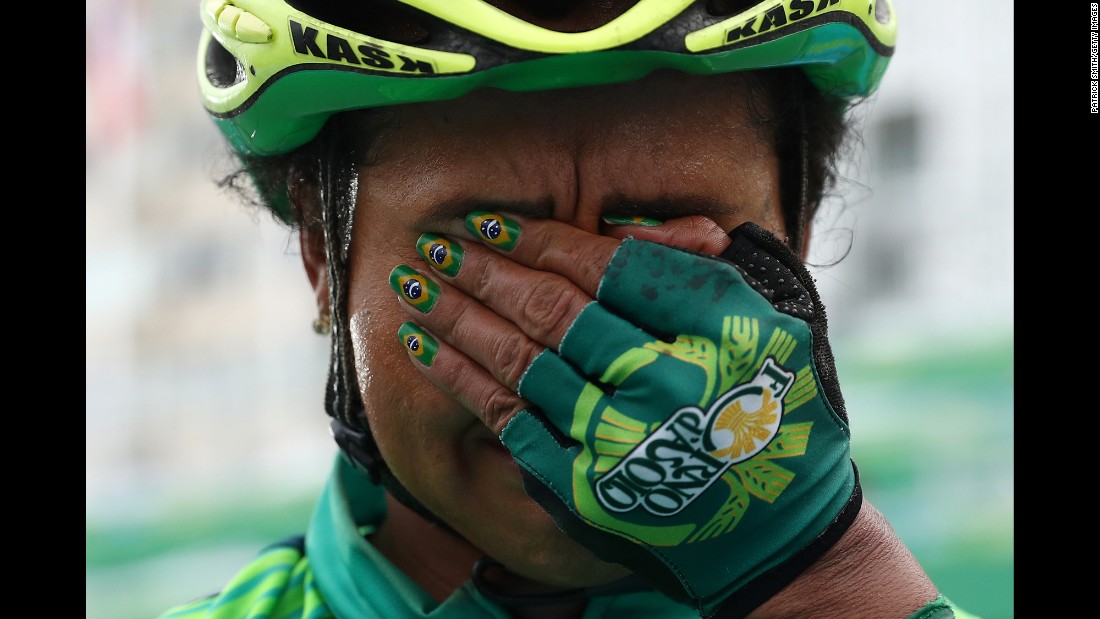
(679, 460)
(308, 41)
(777, 17)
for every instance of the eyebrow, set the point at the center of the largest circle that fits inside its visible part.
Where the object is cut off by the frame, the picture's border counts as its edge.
(663, 207)
(666, 207)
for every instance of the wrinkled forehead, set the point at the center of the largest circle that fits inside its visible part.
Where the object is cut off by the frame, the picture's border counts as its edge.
(667, 109)
(634, 148)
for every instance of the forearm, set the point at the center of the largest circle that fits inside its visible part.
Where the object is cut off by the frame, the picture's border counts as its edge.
(869, 574)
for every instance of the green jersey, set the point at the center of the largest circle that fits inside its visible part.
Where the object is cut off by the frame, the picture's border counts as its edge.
(333, 572)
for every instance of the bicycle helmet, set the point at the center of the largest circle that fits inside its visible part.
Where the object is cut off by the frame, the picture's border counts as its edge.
(271, 72)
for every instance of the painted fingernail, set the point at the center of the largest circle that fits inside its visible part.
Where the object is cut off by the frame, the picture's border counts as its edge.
(632, 221)
(417, 289)
(442, 254)
(494, 229)
(420, 345)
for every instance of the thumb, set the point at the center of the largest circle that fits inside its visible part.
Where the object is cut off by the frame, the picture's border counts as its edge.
(696, 233)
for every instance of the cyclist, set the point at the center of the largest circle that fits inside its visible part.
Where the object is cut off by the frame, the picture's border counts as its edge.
(578, 367)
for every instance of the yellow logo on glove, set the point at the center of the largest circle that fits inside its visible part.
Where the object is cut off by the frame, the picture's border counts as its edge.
(690, 451)
(638, 474)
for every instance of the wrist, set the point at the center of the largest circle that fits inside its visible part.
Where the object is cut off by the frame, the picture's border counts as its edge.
(868, 573)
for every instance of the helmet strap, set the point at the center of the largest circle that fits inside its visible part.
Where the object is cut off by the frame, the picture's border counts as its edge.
(795, 175)
(338, 182)
(796, 235)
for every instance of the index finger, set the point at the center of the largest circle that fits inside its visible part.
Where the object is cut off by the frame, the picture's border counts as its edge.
(546, 245)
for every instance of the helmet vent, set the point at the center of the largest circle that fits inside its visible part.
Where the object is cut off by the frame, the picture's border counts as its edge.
(726, 8)
(381, 19)
(565, 15)
(882, 12)
(222, 68)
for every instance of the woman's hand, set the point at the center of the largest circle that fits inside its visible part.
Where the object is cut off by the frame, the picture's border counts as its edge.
(494, 312)
(674, 411)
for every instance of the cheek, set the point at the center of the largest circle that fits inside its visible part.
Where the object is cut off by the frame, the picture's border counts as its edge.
(374, 311)
(380, 366)
(389, 384)
(402, 406)
(399, 403)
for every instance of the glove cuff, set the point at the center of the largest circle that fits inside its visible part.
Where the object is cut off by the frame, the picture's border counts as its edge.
(764, 587)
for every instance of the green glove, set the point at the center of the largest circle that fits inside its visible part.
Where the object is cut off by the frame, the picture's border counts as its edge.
(691, 427)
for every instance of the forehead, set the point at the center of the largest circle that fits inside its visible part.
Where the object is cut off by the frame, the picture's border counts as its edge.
(664, 103)
(669, 137)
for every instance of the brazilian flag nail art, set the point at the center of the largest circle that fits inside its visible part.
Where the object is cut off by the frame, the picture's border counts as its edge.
(442, 254)
(420, 345)
(631, 221)
(418, 290)
(494, 229)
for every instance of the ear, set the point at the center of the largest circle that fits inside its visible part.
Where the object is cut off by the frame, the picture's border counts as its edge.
(311, 238)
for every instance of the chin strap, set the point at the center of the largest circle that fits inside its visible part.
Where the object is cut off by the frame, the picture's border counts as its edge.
(358, 447)
(338, 181)
(628, 584)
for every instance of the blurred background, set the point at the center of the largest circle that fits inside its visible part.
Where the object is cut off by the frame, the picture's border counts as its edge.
(206, 436)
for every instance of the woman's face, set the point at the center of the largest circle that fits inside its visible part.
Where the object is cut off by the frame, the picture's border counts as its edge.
(664, 147)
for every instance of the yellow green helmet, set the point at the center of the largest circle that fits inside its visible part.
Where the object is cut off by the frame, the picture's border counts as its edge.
(271, 72)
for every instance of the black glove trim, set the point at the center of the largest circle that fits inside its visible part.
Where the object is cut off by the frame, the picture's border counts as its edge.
(752, 244)
(742, 602)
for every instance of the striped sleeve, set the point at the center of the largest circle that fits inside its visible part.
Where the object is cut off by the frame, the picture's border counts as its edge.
(277, 584)
(941, 608)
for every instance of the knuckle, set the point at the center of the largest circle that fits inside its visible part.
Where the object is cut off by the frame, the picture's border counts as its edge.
(500, 405)
(585, 262)
(460, 321)
(547, 309)
(481, 283)
(700, 222)
(589, 264)
(593, 272)
(512, 355)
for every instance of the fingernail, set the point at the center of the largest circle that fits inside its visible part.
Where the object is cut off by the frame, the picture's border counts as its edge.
(417, 289)
(442, 254)
(494, 229)
(420, 345)
(632, 221)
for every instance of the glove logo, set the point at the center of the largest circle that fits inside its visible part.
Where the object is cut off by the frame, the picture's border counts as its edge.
(683, 456)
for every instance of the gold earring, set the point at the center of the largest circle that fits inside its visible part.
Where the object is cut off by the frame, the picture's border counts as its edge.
(322, 325)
